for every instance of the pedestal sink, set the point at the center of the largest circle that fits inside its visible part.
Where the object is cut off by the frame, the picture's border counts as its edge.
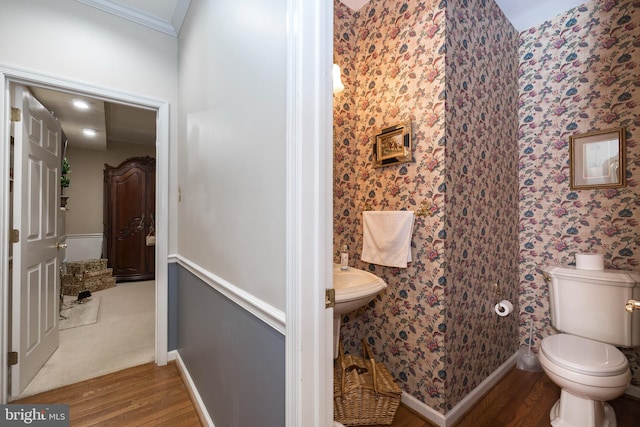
(354, 289)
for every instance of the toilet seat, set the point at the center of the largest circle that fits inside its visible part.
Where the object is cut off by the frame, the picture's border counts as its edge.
(584, 356)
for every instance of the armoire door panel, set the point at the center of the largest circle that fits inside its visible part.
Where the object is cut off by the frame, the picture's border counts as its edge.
(129, 211)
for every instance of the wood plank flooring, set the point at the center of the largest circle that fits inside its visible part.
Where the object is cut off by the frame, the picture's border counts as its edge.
(520, 399)
(145, 395)
(151, 396)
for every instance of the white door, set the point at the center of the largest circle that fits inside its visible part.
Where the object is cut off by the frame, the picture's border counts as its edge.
(36, 278)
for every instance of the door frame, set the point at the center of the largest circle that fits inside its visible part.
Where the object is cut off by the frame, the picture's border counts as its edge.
(309, 325)
(10, 76)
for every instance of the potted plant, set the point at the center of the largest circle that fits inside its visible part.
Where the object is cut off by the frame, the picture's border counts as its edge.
(64, 181)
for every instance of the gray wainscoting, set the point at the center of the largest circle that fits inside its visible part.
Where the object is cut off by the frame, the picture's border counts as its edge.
(236, 361)
(172, 307)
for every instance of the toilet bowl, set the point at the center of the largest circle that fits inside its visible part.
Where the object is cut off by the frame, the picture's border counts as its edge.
(589, 373)
(587, 307)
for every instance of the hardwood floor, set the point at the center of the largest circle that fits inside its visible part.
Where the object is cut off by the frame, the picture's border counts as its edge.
(150, 395)
(520, 399)
(145, 395)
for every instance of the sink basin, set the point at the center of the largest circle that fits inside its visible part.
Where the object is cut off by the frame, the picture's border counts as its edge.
(354, 288)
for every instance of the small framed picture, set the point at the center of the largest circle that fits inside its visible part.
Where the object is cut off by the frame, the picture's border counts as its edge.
(597, 159)
(392, 145)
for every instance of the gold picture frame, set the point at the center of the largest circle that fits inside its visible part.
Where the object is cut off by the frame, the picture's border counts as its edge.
(392, 145)
(597, 159)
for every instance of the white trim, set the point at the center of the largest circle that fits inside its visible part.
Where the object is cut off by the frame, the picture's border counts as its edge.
(4, 239)
(84, 236)
(162, 233)
(182, 7)
(192, 388)
(135, 15)
(15, 75)
(308, 352)
(458, 411)
(427, 412)
(263, 311)
(474, 397)
(480, 391)
(476, 394)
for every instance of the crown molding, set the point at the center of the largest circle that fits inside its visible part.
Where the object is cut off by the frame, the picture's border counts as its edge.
(143, 18)
(182, 6)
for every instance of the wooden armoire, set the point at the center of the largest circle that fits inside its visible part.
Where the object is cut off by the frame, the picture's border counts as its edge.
(129, 217)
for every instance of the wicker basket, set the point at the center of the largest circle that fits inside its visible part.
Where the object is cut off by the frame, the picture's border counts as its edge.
(364, 391)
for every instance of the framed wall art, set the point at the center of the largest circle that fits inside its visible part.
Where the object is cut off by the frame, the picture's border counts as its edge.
(392, 145)
(597, 159)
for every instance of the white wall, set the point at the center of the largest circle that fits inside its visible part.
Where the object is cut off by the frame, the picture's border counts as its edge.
(232, 67)
(68, 40)
(86, 192)
(83, 246)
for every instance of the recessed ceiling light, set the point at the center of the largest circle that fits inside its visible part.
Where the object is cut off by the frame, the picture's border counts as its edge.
(89, 132)
(80, 104)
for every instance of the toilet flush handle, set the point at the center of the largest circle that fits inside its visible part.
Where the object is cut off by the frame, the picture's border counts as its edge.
(632, 305)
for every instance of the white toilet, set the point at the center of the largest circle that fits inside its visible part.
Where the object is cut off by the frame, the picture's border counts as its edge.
(588, 308)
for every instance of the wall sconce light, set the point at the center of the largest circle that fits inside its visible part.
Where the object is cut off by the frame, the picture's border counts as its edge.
(337, 81)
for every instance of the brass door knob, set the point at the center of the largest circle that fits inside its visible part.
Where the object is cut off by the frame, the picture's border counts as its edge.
(61, 245)
(632, 305)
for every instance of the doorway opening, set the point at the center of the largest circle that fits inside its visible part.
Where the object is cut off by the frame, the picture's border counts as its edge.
(159, 110)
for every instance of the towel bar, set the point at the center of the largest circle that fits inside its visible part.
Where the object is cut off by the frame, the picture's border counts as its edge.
(423, 210)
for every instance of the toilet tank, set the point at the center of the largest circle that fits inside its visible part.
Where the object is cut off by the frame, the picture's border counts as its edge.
(591, 304)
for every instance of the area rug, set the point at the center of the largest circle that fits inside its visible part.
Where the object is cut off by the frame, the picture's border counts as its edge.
(123, 336)
(74, 314)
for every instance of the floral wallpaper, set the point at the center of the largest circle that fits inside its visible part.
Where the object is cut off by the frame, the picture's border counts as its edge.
(578, 73)
(450, 68)
(482, 192)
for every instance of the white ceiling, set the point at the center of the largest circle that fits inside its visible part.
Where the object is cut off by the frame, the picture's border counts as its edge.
(162, 15)
(73, 120)
(112, 122)
(167, 15)
(525, 14)
(128, 124)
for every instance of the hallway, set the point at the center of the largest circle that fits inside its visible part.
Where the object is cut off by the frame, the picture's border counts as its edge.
(147, 395)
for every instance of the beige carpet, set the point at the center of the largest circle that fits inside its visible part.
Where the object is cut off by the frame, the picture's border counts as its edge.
(122, 337)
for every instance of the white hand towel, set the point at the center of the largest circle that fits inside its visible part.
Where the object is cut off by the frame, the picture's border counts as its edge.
(386, 237)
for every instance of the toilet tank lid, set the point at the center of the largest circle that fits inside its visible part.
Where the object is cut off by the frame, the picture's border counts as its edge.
(628, 279)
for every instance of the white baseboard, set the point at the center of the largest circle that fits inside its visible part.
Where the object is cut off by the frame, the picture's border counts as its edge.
(479, 392)
(427, 412)
(458, 411)
(193, 391)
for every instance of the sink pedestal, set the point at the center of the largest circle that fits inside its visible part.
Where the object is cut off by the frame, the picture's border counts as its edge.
(354, 288)
(337, 321)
